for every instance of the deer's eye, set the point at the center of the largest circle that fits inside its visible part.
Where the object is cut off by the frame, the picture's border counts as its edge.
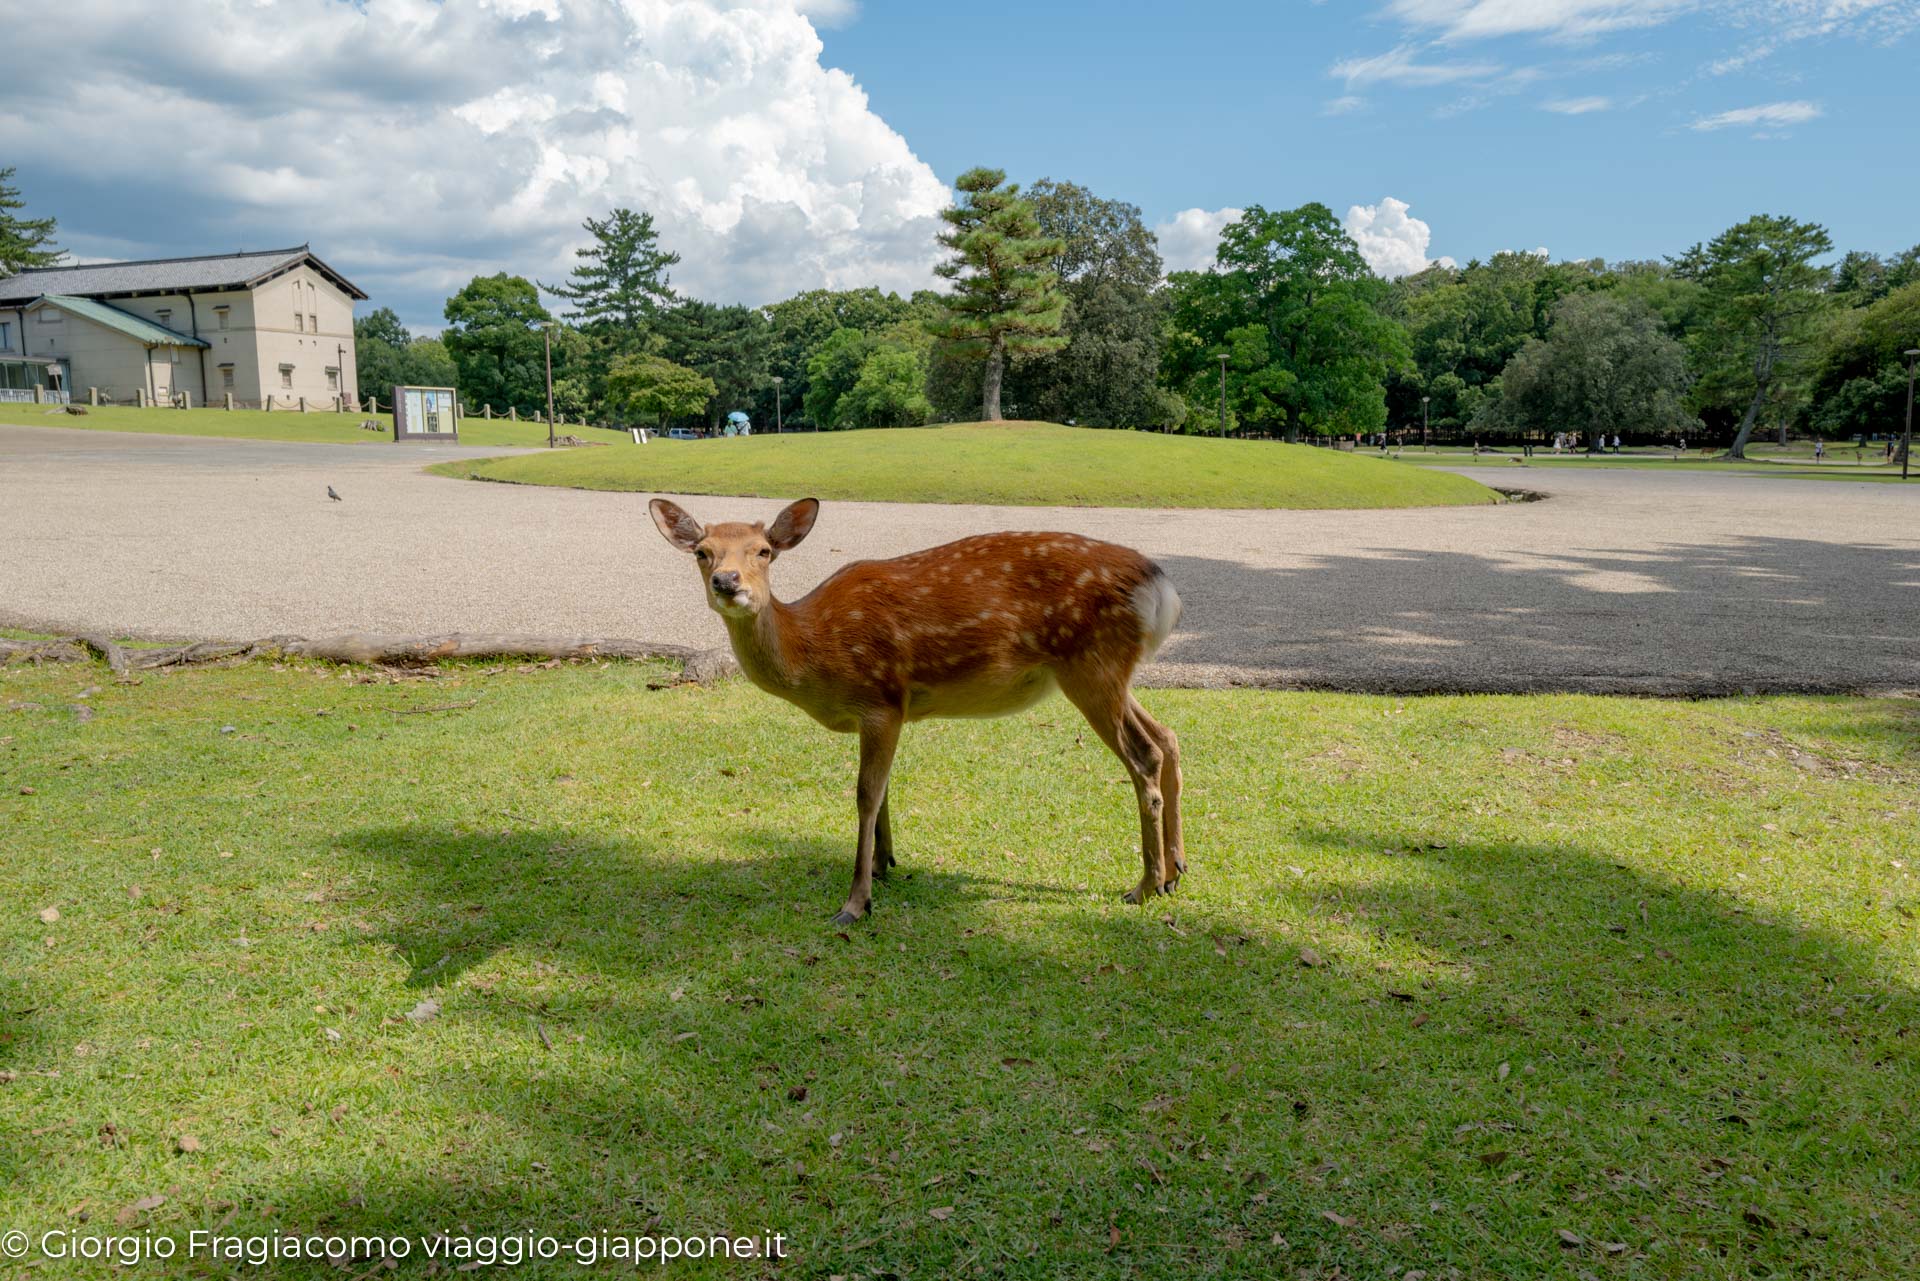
(701, 554)
(766, 553)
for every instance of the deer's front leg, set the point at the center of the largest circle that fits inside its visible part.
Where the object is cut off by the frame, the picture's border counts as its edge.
(879, 735)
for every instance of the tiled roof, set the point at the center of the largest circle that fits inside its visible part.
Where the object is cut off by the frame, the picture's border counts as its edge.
(161, 275)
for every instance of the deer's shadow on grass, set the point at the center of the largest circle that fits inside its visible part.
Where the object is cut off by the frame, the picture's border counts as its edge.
(719, 1052)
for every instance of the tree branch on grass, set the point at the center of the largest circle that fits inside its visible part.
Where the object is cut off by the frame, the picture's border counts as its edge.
(368, 649)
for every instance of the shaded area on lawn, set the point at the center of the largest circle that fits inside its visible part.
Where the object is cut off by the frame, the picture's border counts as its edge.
(1747, 615)
(1211, 1061)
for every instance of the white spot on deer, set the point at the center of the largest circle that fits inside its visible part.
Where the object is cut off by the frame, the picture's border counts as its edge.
(1086, 576)
(854, 615)
(1006, 567)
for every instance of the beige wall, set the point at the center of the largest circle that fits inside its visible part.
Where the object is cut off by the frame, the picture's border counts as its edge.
(108, 359)
(259, 337)
(323, 338)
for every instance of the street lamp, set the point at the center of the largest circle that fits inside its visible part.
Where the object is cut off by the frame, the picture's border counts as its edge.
(1906, 441)
(547, 334)
(776, 404)
(1424, 402)
(1223, 395)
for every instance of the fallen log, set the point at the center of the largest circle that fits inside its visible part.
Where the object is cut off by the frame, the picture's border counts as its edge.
(370, 649)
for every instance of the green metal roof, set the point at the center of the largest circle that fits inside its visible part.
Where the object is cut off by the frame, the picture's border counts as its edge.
(126, 322)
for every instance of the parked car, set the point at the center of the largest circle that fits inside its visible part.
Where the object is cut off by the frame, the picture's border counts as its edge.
(682, 433)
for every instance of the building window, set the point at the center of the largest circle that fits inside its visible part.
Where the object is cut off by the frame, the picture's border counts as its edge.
(226, 378)
(220, 315)
(164, 316)
(299, 322)
(6, 335)
(333, 379)
(48, 316)
(286, 377)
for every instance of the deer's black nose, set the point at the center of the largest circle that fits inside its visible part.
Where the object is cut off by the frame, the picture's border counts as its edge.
(726, 583)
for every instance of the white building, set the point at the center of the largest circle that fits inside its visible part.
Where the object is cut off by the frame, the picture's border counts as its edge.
(275, 324)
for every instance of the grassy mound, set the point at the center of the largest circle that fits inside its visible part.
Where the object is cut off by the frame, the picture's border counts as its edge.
(1014, 464)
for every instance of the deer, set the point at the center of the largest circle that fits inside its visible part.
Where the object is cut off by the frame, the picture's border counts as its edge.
(985, 626)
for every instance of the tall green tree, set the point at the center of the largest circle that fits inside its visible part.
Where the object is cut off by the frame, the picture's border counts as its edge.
(1762, 299)
(803, 322)
(1109, 269)
(24, 242)
(889, 391)
(493, 333)
(1005, 299)
(1858, 383)
(655, 387)
(380, 345)
(1606, 367)
(620, 285)
(732, 346)
(1329, 343)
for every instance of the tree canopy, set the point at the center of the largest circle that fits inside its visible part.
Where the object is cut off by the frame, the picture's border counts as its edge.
(24, 242)
(1005, 299)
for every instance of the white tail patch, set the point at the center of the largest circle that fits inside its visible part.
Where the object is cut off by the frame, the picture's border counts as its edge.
(1157, 606)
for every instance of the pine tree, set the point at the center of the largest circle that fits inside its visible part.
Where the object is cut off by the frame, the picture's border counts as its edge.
(24, 242)
(1006, 297)
(620, 285)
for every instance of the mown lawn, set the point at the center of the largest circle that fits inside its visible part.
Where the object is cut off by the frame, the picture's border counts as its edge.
(1794, 462)
(1015, 464)
(1474, 986)
(255, 424)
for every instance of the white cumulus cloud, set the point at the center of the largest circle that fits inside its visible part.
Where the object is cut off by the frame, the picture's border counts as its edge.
(1578, 106)
(1393, 242)
(1189, 239)
(416, 143)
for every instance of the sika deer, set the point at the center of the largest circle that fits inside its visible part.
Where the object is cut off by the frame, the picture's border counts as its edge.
(981, 627)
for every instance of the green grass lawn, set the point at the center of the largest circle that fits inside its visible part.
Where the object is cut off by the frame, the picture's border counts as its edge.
(255, 424)
(1523, 987)
(1762, 460)
(1017, 464)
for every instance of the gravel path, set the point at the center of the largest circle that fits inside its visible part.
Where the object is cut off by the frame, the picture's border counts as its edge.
(1622, 582)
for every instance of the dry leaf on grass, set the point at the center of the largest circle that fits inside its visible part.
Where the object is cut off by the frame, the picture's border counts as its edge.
(941, 1212)
(49, 914)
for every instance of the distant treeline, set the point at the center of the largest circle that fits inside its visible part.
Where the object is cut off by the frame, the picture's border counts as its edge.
(1058, 308)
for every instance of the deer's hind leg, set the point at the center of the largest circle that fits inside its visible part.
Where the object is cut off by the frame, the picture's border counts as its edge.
(1172, 845)
(883, 859)
(1102, 697)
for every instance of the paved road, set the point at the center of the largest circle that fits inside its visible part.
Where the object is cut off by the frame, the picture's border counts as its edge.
(1622, 581)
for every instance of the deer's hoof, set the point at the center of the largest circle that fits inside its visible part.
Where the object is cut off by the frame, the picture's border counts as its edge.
(847, 916)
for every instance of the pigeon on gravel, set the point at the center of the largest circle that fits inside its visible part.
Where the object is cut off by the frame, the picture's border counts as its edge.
(330, 494)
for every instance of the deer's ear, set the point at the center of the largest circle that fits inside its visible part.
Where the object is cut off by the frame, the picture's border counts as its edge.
(794, 524)
(678, 528)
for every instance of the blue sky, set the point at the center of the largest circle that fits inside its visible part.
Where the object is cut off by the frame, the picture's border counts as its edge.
(1224, 102)
(792, 144)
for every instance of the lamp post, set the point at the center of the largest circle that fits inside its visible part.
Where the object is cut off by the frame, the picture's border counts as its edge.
(1223, 395)
(1906, 441)
(1424, 402)
(776, 405)
(547, 334)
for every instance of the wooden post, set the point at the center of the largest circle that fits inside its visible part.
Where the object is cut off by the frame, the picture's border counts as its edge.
(229, 401)
(513, 412)
(303, 404)
(39, 394)
(489, 411)
(93, 397)
(186, 400)
(140, 397)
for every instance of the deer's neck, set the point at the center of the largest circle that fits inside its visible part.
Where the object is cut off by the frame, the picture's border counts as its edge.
(760, 642)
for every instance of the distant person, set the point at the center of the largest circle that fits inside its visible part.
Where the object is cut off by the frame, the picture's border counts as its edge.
(1819, 450)
(1616, 442)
